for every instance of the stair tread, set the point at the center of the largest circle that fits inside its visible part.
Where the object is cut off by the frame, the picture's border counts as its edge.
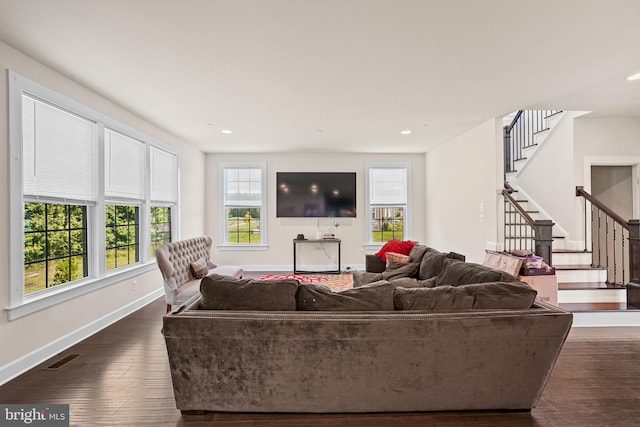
(597, 306)
(541, 130)
(577, 267)
(587, 285)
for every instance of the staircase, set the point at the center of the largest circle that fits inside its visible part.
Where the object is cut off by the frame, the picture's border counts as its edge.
(582, 288)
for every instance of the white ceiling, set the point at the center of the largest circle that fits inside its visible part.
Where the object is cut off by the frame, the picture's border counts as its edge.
(336, 75)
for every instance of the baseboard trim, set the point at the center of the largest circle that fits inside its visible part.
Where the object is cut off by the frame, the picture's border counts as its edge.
(606, 319)
(34, 358)
(289, 267)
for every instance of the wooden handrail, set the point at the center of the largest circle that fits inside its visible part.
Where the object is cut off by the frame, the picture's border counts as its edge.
(623, 222)
(515, 120)
(520, 209)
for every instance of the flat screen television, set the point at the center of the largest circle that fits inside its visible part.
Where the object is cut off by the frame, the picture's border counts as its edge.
(316, 194)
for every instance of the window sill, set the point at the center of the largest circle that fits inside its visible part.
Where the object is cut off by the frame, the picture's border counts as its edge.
(31, 304)
(372, 247)
(243, 247)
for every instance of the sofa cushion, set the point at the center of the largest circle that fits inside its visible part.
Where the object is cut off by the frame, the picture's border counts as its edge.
(371, 297)
(431, 263)
(417, 252)
(412, 282)
(491, 295)
(199, 268)
(361, 278)
(456, 273)
(395, 271)
(227, 293)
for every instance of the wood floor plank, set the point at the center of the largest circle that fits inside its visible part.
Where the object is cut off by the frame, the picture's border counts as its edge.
(121, 377)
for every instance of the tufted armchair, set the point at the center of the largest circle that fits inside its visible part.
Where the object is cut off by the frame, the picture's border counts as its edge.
(175, 261)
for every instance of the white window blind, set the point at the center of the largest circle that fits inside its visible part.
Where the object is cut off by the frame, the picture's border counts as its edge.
(59, 152)
(164, 176)
(243, 187)
(124, 166)
(388, 186)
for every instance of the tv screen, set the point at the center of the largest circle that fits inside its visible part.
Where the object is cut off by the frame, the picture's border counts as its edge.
(316, 194)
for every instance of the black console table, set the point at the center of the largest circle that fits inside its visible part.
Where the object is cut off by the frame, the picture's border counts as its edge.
(297, 242)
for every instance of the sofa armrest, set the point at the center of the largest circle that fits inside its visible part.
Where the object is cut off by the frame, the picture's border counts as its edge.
(374, 264)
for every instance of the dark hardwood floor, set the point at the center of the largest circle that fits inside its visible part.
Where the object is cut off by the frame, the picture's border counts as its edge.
(121, 378)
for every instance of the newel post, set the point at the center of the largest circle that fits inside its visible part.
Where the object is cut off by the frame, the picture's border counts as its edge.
(506, 138)
(544, 239)
(634, 250)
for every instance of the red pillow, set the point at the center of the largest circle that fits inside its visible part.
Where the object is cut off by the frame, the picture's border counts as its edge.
(397, 246)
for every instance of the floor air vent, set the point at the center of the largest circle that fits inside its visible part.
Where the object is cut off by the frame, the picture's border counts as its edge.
(60, 363)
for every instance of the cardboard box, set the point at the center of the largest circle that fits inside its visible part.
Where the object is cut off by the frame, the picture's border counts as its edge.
(548, 271)
(547, 287)
(503, 262)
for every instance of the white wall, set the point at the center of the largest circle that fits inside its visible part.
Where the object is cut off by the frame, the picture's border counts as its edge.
(547, 178)
(281, 231)
(463, 179)
(35, 336)
(605, 142)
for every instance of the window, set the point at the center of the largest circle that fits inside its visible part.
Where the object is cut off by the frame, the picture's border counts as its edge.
(82, 190)
(160, 226)
(121, 237)
(387, 202)
(55, 245)
(243, 196)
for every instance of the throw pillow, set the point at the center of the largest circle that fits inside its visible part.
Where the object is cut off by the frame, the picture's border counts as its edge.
(199, 268)
(373, 297)
(456, 273)
(492, 295)
(228, 293)
(396, 258)
(394, 245)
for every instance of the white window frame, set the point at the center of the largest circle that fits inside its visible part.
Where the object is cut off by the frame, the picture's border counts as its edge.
(20, 304)
(369, 244)
(223, 243)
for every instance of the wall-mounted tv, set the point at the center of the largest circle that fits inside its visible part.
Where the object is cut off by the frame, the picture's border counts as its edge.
(316, 194)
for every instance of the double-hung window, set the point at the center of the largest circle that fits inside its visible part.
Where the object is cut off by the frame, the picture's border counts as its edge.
(124, 195)
(59, 158)
(387, 202)
(244, 204)
(163, 196)
(89, 198)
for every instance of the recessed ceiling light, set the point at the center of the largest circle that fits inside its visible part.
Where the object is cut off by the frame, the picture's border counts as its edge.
(226, 131)
(635, 76)
(405, 132)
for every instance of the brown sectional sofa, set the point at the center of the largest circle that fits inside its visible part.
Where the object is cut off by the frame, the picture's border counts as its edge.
(448, 344)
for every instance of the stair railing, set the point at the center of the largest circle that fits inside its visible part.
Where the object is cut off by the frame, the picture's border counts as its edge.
(523, 232)
(518, 135)
(608, 233)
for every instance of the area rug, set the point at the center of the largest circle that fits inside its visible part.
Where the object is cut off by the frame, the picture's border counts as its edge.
(337, 282)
